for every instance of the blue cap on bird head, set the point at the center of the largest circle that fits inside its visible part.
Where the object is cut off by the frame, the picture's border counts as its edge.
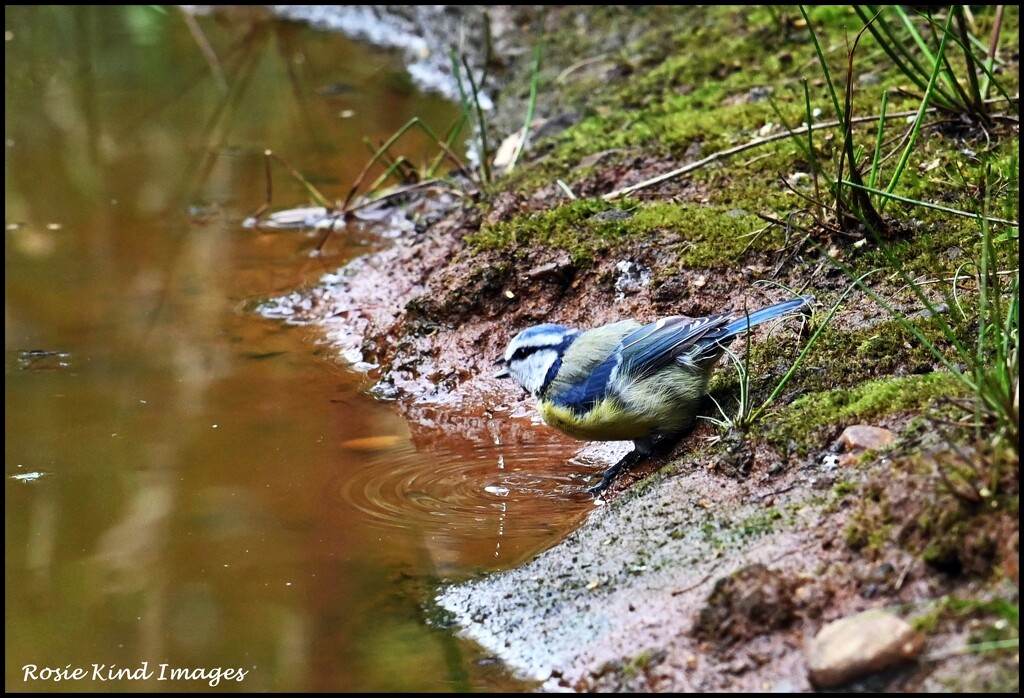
(538, 337)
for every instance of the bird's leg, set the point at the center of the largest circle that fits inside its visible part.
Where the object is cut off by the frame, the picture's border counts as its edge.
(627, 461)
(658, 444)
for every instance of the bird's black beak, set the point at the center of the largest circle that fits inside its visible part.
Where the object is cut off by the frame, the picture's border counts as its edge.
(503, 371)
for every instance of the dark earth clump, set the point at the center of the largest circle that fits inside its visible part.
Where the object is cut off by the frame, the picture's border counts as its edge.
(753, 600)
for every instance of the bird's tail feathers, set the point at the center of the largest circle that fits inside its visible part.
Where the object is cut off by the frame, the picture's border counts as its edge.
(745, 322)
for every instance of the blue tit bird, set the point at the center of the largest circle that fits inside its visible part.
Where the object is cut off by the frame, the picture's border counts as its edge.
(627, 381)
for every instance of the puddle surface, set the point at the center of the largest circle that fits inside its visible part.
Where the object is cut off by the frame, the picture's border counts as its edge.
(190, 485)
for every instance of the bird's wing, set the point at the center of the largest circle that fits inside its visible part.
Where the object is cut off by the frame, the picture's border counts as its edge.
(588, 365)
(652, 347)
(640, 353)
(582, 396)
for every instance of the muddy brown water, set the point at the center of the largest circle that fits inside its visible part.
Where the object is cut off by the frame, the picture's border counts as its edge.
(196, 495)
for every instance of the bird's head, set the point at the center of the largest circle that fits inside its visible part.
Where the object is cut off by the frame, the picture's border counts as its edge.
(535, 354)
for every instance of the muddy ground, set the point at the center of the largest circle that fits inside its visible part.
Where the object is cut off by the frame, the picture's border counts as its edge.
(712, 569)
(629, 601)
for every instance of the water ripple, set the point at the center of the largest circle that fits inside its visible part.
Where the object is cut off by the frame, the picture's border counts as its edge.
(523, 489)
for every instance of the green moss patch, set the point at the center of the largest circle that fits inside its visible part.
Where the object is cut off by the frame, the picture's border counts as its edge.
(700, 236)
(796, 424)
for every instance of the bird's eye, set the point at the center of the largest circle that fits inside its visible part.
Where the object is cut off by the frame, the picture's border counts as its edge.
(521, 353)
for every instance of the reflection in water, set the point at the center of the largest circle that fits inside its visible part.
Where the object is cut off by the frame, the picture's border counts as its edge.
(188, 483)
(474, 503)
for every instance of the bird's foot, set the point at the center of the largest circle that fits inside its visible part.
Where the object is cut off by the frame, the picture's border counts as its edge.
(659, 445)
(611, 473)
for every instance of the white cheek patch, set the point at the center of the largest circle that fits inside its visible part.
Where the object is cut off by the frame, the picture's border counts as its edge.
(532, 370)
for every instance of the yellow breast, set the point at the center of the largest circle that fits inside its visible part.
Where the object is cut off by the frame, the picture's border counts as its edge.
(607, 421)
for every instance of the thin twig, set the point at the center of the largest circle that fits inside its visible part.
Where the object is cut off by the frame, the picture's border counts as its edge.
(903, 575)
(781, 490)
(565, 187)
(394, 193)
(722, 154)
(576, 66)
(956, 279)
(703, 581)
(270, 189)
(208, 53)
